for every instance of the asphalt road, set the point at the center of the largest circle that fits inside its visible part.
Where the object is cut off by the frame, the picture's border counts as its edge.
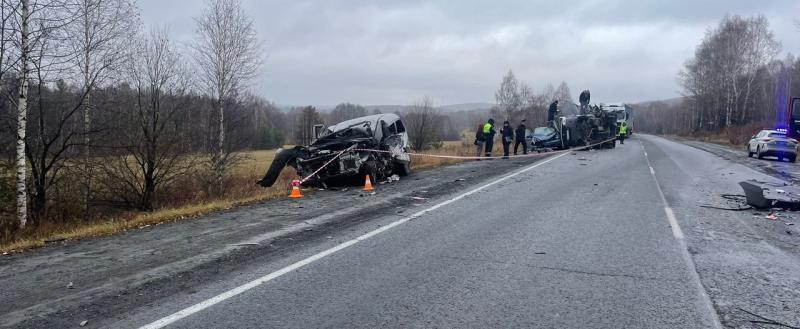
(594, 239)
(581, 241)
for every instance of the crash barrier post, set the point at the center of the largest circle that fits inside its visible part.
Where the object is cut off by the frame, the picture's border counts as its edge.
(296, 190)
(368, 185)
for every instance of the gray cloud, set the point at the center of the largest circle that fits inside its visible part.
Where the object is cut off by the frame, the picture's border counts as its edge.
(393, 52)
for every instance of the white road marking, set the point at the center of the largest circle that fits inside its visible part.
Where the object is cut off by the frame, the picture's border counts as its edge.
(687, 258)
(673, 222)
(165, 321)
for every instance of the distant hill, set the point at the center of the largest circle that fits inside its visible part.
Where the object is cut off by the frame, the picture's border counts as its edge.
(404, 108)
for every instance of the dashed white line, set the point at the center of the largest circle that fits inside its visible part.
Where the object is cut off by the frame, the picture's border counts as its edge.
(172, 318)
(673, 223)
(687, 259)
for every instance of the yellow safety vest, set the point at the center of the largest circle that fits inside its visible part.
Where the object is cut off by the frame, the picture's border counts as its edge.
(487, 128)
(623, 129)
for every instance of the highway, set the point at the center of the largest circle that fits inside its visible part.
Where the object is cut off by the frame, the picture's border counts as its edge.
(588, 239)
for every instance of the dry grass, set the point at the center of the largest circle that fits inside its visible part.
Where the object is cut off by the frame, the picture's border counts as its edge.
(242, 191)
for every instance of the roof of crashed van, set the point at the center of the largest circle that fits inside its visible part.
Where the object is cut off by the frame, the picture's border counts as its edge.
(371, 119)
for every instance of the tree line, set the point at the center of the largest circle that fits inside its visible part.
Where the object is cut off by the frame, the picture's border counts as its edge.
(734, 84)
(98, 107)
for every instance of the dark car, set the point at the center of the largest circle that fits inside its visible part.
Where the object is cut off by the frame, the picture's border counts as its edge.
(543, 138)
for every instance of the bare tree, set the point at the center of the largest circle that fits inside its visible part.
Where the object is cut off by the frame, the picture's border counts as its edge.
(227, 55)
(422, 123)
(151, 155)
(304, 120)
(99, 38)
(508, 97)
(346, 111)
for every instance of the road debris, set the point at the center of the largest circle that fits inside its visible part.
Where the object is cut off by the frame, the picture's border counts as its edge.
(765, 195)
(84, 323)
(419, 198)
(70, 285)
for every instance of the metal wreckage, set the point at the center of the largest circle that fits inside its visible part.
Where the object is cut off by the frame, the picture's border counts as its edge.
(594, 125)
(374, 145)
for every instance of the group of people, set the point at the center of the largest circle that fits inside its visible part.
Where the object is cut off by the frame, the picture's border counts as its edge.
(484, 138)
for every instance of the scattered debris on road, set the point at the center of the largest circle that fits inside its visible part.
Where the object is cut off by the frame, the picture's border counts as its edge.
(765, 195)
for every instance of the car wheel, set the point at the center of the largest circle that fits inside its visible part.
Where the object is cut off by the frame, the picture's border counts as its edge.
(403, 168)
(792, 158)
(758, 153)
(749, 153)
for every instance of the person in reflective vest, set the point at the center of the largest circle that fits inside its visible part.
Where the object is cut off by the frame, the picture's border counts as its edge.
(488, 136)
(623, 132)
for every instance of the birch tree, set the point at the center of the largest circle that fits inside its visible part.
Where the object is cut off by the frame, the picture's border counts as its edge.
(22, 112)
(99, 38)
(227, 55)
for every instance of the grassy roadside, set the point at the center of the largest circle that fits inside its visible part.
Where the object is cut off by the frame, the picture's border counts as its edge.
(247, 171)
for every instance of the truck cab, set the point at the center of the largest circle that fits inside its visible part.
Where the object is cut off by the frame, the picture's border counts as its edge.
(794, 118)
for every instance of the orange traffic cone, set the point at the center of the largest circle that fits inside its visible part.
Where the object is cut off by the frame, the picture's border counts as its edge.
(296, 190)
(368, 185)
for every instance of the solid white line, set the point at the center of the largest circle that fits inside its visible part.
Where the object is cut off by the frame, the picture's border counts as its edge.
(165, 321)
(652, 171)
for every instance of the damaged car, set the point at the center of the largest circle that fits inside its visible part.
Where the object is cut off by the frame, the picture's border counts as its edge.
(374, 145)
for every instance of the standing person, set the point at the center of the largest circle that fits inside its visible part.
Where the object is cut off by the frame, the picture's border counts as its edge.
(507, 134)
(551, 113)
(488, 137)
(623, 132)
(479, 141)
(520, 138)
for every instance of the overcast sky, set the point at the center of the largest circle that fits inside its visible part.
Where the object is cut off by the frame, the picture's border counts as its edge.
(395, 51)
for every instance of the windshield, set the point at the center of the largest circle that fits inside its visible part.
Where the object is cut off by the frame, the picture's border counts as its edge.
(776, 135)
(543, 131)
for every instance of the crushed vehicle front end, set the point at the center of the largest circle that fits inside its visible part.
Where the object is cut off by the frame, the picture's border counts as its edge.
(344, 154)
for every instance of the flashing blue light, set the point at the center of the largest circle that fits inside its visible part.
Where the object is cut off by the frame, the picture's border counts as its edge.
(782, 130)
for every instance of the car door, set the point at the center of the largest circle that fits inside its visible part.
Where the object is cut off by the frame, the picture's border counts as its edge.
(753, 144)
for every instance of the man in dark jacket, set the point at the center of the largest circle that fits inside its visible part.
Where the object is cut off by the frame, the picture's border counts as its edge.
(479, 140)
(508, 136)
(488, 136)
(520, 138)
(551, 113)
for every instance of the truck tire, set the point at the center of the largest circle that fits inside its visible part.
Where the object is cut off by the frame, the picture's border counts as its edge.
(281, 159)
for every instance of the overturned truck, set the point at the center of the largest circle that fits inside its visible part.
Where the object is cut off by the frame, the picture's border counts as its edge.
(594, 125)
(374, 145)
